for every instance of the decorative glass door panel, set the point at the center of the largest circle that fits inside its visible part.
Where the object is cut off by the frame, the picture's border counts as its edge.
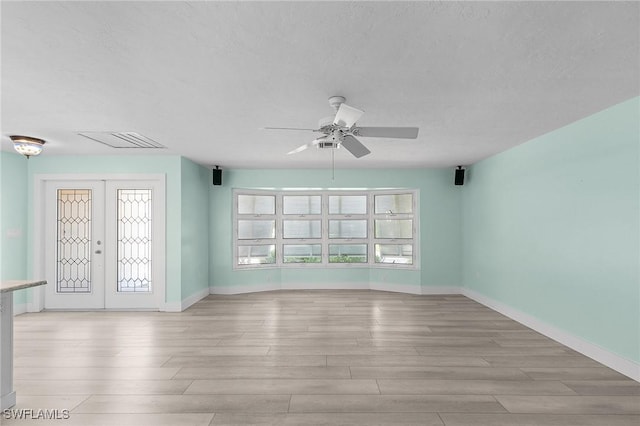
(134, 240)
(73, 241)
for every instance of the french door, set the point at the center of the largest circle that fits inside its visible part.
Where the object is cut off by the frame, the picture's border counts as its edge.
(104, 244)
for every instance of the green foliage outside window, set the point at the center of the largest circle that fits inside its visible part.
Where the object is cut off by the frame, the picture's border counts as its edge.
(345, 258)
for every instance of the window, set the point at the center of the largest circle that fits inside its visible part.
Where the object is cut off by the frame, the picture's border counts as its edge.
(347, 204)
(325, 228)
(302, 253)
(393, 228)
(256, 204)
(393, 203)
(256, 254)
(394, 253)
(348, 228)
(301, 204)
(301, 229)
(255, 229)
(347, 253)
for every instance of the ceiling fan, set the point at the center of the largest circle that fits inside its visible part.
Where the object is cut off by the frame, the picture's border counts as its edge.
(341, 130)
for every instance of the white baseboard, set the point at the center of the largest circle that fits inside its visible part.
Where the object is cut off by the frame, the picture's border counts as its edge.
(184, 304)
(380, 286)
(393, 287)
(325, 286)
(616, 362)
(196, 297)
(241, 289)
(427, 290)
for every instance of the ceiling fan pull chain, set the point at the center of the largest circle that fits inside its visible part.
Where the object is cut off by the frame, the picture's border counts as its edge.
(333, 164)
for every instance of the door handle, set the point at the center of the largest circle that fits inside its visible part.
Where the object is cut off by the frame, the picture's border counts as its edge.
(98, 252)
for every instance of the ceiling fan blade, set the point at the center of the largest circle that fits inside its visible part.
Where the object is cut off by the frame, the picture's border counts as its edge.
(387, 132)
(287, 128)
(354, 146)
(347, 116)
(299, 149)
(305, 146)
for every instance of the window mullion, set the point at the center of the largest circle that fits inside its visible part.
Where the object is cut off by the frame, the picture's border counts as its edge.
(325, 228)
(370, 230)
(279, 230)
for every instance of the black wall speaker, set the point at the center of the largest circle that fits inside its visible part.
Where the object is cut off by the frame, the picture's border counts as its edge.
(217, 176)
(459, 179)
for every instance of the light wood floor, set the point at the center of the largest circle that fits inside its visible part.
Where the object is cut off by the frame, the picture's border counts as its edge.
(311, 358)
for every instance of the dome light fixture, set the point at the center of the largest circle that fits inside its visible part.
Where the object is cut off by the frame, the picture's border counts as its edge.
(27, 145)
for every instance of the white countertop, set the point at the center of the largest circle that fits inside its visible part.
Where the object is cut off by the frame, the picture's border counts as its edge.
(19, 284)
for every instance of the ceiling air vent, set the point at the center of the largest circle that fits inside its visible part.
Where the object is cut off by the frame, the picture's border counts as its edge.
(122, 139)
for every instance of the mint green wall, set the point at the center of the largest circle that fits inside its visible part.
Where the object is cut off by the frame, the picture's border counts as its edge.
(440, 236)
(13, 220)
(551, 228)
(195, 182)
(170, 165)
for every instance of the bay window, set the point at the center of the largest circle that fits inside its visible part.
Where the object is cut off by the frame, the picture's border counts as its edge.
(315, 228)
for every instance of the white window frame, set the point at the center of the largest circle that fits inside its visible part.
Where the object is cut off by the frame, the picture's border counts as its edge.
(370, 241)
(258, 241)
(348, 241)
(298, 241)
(415, 229)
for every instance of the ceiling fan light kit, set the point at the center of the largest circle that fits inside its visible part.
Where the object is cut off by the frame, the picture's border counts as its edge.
(341, 130)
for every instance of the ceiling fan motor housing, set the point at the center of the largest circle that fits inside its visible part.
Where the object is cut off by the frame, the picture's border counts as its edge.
(332, 139)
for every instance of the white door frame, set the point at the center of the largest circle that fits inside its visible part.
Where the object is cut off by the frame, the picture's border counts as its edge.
(38, 266)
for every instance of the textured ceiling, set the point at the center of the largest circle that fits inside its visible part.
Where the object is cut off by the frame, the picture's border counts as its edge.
(203, 78)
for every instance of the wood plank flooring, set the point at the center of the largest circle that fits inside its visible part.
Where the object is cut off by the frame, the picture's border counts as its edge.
(310, 358)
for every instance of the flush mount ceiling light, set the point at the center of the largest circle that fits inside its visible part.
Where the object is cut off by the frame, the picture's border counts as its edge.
(27, 145)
